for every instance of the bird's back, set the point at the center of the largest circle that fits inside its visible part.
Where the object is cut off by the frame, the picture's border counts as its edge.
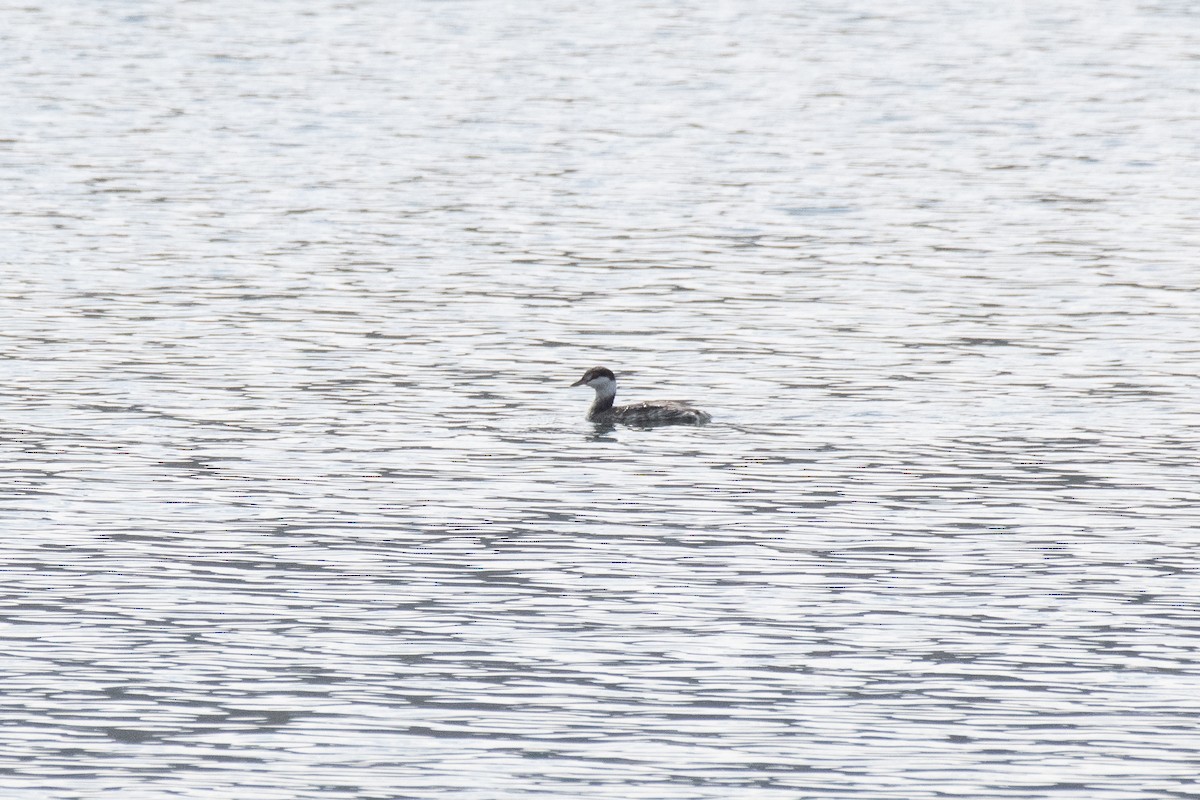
(655, 412)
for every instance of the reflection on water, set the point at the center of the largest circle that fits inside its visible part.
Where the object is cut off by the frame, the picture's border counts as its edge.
(299, 504)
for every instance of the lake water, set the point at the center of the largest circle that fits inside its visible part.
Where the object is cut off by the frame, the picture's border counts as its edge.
(296, 500)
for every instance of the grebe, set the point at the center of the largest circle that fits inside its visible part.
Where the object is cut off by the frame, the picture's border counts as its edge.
(639, 415)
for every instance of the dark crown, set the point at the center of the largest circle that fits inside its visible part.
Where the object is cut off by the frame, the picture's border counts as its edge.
(598, 372)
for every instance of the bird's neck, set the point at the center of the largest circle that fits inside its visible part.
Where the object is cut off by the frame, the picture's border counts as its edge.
(605, 395)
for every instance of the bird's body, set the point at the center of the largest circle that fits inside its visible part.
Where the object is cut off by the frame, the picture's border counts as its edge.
(639, 415)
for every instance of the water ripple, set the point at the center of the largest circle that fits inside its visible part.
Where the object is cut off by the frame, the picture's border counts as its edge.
(300, 504)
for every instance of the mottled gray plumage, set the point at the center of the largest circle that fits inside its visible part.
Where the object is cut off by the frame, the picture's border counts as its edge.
(639, 415)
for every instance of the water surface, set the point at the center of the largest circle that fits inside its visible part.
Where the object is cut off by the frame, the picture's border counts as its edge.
(298, 503)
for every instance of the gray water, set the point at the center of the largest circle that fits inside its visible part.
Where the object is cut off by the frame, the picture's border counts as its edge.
(296, 501)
